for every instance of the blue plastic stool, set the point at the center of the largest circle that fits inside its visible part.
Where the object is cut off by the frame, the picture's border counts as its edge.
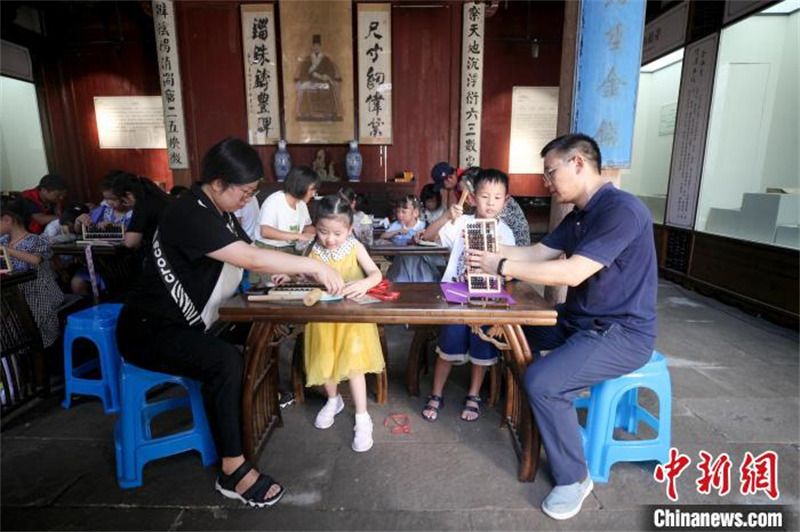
(615, 404)
(97, 324)
(132, 439)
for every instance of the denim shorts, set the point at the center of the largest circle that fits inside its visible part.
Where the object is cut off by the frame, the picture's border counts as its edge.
(458, 344)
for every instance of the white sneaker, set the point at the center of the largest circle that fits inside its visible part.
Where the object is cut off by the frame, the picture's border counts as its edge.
(325, 417)
(565, 501)
(362, 441)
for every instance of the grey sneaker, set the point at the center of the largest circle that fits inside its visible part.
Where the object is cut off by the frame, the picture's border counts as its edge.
(565, 501)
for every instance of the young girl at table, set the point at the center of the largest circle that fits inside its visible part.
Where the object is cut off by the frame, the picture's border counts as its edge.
(406, 230)
(407, 224)
(338, 351)
(28, 251)
(457, 343)
(432, 207)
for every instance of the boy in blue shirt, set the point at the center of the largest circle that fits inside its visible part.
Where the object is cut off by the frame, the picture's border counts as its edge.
(606, 327)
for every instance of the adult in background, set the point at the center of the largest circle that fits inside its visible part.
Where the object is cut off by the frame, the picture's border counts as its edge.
(285, 220)
(606, 327)
(148, 203)
(201, 249)
(42, 204)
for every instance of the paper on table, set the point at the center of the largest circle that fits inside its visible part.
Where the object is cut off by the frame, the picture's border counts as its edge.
(459, 293)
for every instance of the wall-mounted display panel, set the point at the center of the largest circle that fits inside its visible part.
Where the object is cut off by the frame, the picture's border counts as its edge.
(751, 177)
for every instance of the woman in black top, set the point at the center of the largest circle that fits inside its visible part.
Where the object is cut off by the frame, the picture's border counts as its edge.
(148, 203)
(199, 250)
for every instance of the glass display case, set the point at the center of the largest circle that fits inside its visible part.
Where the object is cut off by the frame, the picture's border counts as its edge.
(750, 182)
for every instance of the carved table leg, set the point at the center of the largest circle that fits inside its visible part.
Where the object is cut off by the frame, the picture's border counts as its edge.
(298, 369)
(416, 354)
(518, 412)
(260, 410)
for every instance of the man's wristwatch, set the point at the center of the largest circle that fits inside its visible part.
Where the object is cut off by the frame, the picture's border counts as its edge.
(500, 266)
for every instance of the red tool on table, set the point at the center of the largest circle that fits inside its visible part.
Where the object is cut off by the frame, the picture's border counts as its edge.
(383, 291)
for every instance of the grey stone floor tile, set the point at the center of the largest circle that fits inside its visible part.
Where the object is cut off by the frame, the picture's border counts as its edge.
(691, 429)
(767, 382)
(281, 517)
(89, 518)
(750, 419)
(535, 519)
(692, 382)
(84, 420)
(179, 480)
(481, 475)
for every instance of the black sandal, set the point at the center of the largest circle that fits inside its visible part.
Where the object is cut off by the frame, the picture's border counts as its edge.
(430, 408)
(254, 496)
(474, 409)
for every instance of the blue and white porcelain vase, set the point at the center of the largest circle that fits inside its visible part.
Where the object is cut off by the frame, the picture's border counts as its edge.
(283, 161)
(353, 162)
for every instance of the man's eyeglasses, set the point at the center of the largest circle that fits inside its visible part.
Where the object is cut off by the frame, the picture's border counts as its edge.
(548, 173)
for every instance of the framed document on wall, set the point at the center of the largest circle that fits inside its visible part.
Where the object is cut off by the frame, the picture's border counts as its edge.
(317, 44)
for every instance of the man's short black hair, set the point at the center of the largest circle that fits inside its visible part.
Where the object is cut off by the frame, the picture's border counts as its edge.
(584, 144)
(53, 182)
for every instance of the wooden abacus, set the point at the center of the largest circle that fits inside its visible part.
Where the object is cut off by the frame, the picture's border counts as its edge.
(7, 266)
(309, 293)
(110, 233)
(481, 234)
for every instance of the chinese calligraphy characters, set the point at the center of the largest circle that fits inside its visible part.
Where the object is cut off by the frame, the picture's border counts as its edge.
(471, 84)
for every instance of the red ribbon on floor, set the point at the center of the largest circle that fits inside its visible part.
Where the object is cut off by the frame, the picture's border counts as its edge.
(399, 422)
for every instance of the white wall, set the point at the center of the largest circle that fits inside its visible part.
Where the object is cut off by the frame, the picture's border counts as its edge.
(782, 157)
(22, 157)
(753, 119)
(650, 160)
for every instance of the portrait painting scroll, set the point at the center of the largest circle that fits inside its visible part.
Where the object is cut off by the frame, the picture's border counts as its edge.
(317, 45)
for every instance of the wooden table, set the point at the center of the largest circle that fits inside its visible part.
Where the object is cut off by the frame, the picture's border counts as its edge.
(419, 304)
(21, 344)
(118, 265)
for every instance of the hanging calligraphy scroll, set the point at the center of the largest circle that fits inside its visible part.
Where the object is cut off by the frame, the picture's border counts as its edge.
(261, 73)
(375, 73)
(317, 48)
(691, 125)
(170, 75)
(471, 84)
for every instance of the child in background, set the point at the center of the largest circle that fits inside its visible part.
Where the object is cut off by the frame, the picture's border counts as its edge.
(28, 251)
(338, 351)
(248, 218)
(110, 211)
(62, 231)
(402, 230)
(432, 208)
(457, 343)
(350, 195)
(42, 204)
(284, 214)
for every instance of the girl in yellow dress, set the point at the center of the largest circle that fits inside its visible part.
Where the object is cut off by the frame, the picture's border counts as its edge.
(338, 351)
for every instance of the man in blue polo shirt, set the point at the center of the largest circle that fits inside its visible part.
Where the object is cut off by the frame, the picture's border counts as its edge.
(606, 327)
